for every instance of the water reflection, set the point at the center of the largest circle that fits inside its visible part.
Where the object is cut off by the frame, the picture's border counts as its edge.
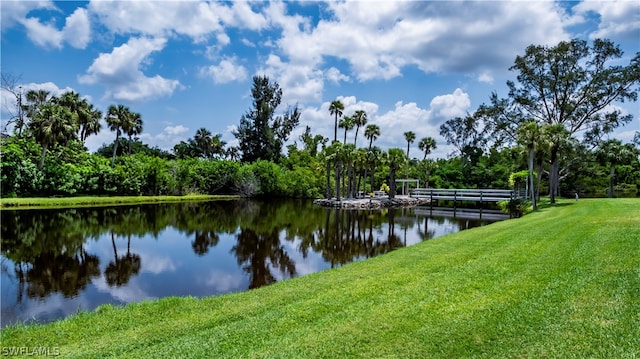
(56, 262)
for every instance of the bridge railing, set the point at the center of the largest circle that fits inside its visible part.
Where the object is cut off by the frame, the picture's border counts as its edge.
(482, 195)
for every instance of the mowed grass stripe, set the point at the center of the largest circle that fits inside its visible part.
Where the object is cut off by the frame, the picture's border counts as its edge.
(563, 282)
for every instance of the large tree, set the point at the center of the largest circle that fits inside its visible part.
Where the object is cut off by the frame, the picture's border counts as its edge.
(573, 85)
(261, 134)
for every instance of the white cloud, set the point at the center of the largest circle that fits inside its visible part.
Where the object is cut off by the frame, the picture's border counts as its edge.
(299, 82)
(226, 71)
(169, 137)
(617, 18)
(334, 75)
(13, 12)
(77, 30)
(119, 71)
(445, 107)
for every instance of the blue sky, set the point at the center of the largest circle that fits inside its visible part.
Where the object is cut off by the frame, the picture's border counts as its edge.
(411, 65)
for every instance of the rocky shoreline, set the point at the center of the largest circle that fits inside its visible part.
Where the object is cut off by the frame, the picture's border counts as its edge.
(371, 202)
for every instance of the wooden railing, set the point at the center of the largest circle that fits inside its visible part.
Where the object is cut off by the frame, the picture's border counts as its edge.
(477, 195)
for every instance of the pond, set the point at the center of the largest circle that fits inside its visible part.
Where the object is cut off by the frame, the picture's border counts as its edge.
(57, 262)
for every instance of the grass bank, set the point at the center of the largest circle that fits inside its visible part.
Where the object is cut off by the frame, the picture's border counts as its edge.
(60, 202)
(561, 282)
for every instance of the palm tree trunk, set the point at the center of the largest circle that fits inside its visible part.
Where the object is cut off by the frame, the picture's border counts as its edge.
(44, 153)
(612, 173)
(115, 148)
(531, 186)
(338, 178)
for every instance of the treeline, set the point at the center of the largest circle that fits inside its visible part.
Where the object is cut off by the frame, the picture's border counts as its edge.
(528, 140)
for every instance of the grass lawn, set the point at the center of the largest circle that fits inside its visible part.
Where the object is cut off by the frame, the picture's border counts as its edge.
(561, 282)
(60, 202)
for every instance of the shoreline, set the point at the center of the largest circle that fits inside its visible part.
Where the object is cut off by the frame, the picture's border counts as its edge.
(371, 202)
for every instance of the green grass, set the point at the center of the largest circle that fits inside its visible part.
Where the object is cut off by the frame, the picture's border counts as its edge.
(60, 202)
(561, 282)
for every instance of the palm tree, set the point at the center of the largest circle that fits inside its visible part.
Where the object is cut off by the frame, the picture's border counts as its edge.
(347, 123)
(371, 132)
(87, 118)
(359, 119)
(133, 127)
(119, 119)
(89, 122)
(52, 124)
(217, 145)
(34, 100)
(336, 108)
(528, 135)
(395, 157)
(410, 136)
(427, 144)
(203, 141)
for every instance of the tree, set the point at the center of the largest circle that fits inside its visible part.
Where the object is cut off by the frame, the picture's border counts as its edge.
(395, 158)
(52, 124)
(347, 123)
(427, 144)
(572, 85)
(86, 116)
(335, 109)
(120, 119)
(409, 136)
(528, 137)
(133, 127)
(260, 134)
(311, 142)
(202, 139)
(10, 83)
(359, 119)
(371, 132)
(613, 153)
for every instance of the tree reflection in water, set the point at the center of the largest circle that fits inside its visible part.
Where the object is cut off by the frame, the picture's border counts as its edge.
(43, 251)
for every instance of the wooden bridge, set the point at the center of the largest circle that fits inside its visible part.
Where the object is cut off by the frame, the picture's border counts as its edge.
(475, 195)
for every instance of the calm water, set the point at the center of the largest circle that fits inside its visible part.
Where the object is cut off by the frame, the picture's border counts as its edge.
(57, 262)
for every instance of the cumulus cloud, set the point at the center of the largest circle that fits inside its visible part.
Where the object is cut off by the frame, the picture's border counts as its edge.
(299, 82)
(226, 71)
(617, 18)
(76, 31)
(120, 72)
(169, 137)
(14, 12)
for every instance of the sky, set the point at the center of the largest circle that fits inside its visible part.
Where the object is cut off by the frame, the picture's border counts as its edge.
(183, 65)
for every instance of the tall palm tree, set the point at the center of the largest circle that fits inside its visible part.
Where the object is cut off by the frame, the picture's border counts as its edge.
(87, 118)
(371, 132)
(119, 119)
(528, 135)
(89, 122)
(203, 141)
(52, 124)
(427, 144)
(359, 119)
(34, 100)
(133, 127)
(410, 136)
(336, 108)
(347, 123)
(395, 158)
